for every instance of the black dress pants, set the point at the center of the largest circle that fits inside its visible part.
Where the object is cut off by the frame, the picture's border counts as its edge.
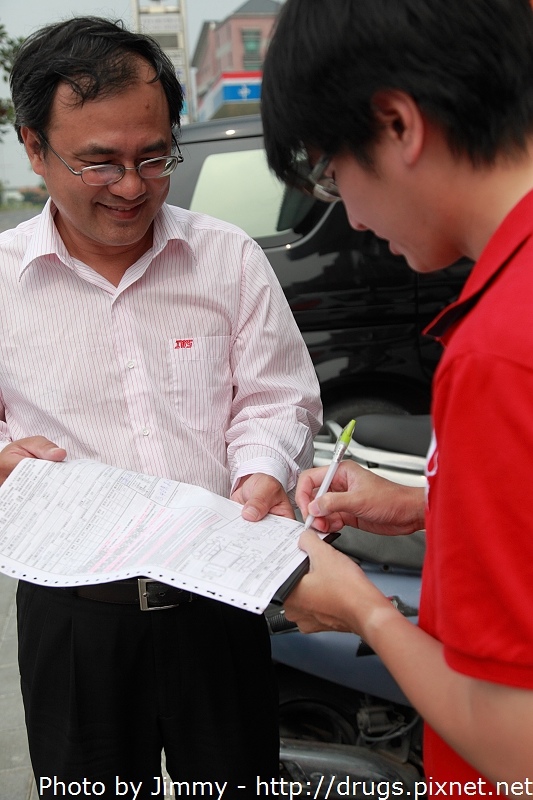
(107, 687)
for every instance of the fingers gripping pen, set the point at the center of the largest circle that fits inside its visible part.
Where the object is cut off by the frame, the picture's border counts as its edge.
(338, 454)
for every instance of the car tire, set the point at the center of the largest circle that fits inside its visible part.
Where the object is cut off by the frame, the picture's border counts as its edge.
(345, 410)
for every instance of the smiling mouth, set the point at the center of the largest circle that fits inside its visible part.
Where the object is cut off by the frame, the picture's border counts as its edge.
(122, 208)
(122, 213)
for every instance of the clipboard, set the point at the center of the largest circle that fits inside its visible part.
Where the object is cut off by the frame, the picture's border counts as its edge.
(288, 585)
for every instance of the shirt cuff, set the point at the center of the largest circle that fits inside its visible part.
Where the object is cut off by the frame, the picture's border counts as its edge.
(264, 464)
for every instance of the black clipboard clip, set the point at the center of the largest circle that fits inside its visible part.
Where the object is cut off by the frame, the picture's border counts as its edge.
(287, 586)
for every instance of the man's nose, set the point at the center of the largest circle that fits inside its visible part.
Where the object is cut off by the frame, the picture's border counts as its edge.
(130, 185)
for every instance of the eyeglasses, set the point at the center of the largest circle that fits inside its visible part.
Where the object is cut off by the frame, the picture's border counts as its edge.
(321, 186)
(106, 174)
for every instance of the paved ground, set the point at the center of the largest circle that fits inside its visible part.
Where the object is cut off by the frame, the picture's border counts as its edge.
(16, 779)
(10, 219)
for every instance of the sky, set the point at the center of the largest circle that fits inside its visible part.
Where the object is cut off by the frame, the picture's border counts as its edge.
(22, 17)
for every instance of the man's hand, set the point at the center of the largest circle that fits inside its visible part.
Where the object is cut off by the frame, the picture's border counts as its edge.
(32, 447)
(335, 594)
(261, 495)
(361, 499)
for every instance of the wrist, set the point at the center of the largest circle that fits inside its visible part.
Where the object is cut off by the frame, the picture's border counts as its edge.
(380, 622)
(414, 503)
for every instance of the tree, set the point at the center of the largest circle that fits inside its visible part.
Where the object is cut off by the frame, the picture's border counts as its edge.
(8, 50)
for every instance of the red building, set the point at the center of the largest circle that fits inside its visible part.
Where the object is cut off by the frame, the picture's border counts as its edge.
(228, 60)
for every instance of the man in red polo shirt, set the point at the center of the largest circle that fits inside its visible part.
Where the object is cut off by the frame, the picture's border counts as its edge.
(418, 114)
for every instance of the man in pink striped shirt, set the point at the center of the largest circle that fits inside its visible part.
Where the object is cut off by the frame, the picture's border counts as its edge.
(151, 338)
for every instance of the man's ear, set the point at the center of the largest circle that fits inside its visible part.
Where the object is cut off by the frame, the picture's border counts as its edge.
(34, 148)
(401, 121)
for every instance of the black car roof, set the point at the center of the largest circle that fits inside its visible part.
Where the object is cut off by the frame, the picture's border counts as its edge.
(241, 127)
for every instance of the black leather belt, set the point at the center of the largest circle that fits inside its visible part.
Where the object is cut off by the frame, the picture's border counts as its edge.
(148, 594)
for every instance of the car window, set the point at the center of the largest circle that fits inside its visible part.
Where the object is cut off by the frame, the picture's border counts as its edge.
(239, 187)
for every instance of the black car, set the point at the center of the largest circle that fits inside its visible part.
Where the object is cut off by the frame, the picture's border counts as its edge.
(360, 309)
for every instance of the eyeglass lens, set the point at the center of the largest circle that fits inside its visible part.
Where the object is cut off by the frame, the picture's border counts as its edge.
(323, 186)
(102, 174)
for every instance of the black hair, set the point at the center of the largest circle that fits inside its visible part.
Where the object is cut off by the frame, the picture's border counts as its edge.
(96, 57)
(468, 65)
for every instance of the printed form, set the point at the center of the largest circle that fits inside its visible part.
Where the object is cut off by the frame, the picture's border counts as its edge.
(82, 522)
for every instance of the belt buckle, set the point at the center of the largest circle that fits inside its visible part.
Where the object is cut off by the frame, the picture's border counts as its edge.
(143, 596)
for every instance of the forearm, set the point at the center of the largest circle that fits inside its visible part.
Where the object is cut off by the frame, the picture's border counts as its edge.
(361, 499)
(489, 725)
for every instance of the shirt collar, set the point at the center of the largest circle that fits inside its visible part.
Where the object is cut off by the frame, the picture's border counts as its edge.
(46, 240)
(170, 225)
(508, 238)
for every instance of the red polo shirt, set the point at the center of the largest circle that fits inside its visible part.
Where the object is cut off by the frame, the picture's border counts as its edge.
(477, 595)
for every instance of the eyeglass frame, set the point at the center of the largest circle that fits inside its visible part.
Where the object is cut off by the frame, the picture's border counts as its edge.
(321, 186)
(177, 159)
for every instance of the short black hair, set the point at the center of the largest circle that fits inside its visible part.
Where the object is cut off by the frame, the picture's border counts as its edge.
(97, 57)
(468, 65)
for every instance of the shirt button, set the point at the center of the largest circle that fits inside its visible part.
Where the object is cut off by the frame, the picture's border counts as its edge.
(146, 431)
(130, 364)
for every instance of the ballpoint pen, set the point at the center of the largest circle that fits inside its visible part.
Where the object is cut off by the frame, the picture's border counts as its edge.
(341, 446)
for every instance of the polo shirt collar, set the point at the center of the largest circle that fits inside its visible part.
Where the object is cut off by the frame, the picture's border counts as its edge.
(509, 237)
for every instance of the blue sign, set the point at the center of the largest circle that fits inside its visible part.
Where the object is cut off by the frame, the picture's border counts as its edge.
(241, 92)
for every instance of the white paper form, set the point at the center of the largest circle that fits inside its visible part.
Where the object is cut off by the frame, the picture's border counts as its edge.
(81, 522)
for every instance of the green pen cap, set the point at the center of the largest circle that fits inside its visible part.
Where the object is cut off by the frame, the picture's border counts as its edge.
(346, 435)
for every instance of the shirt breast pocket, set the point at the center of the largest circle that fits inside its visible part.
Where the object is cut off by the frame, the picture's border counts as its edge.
(201, 381)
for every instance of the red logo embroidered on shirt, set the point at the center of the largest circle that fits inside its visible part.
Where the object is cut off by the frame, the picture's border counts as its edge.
(181, 344)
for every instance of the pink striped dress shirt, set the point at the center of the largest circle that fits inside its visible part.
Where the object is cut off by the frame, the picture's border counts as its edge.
(192, 368)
